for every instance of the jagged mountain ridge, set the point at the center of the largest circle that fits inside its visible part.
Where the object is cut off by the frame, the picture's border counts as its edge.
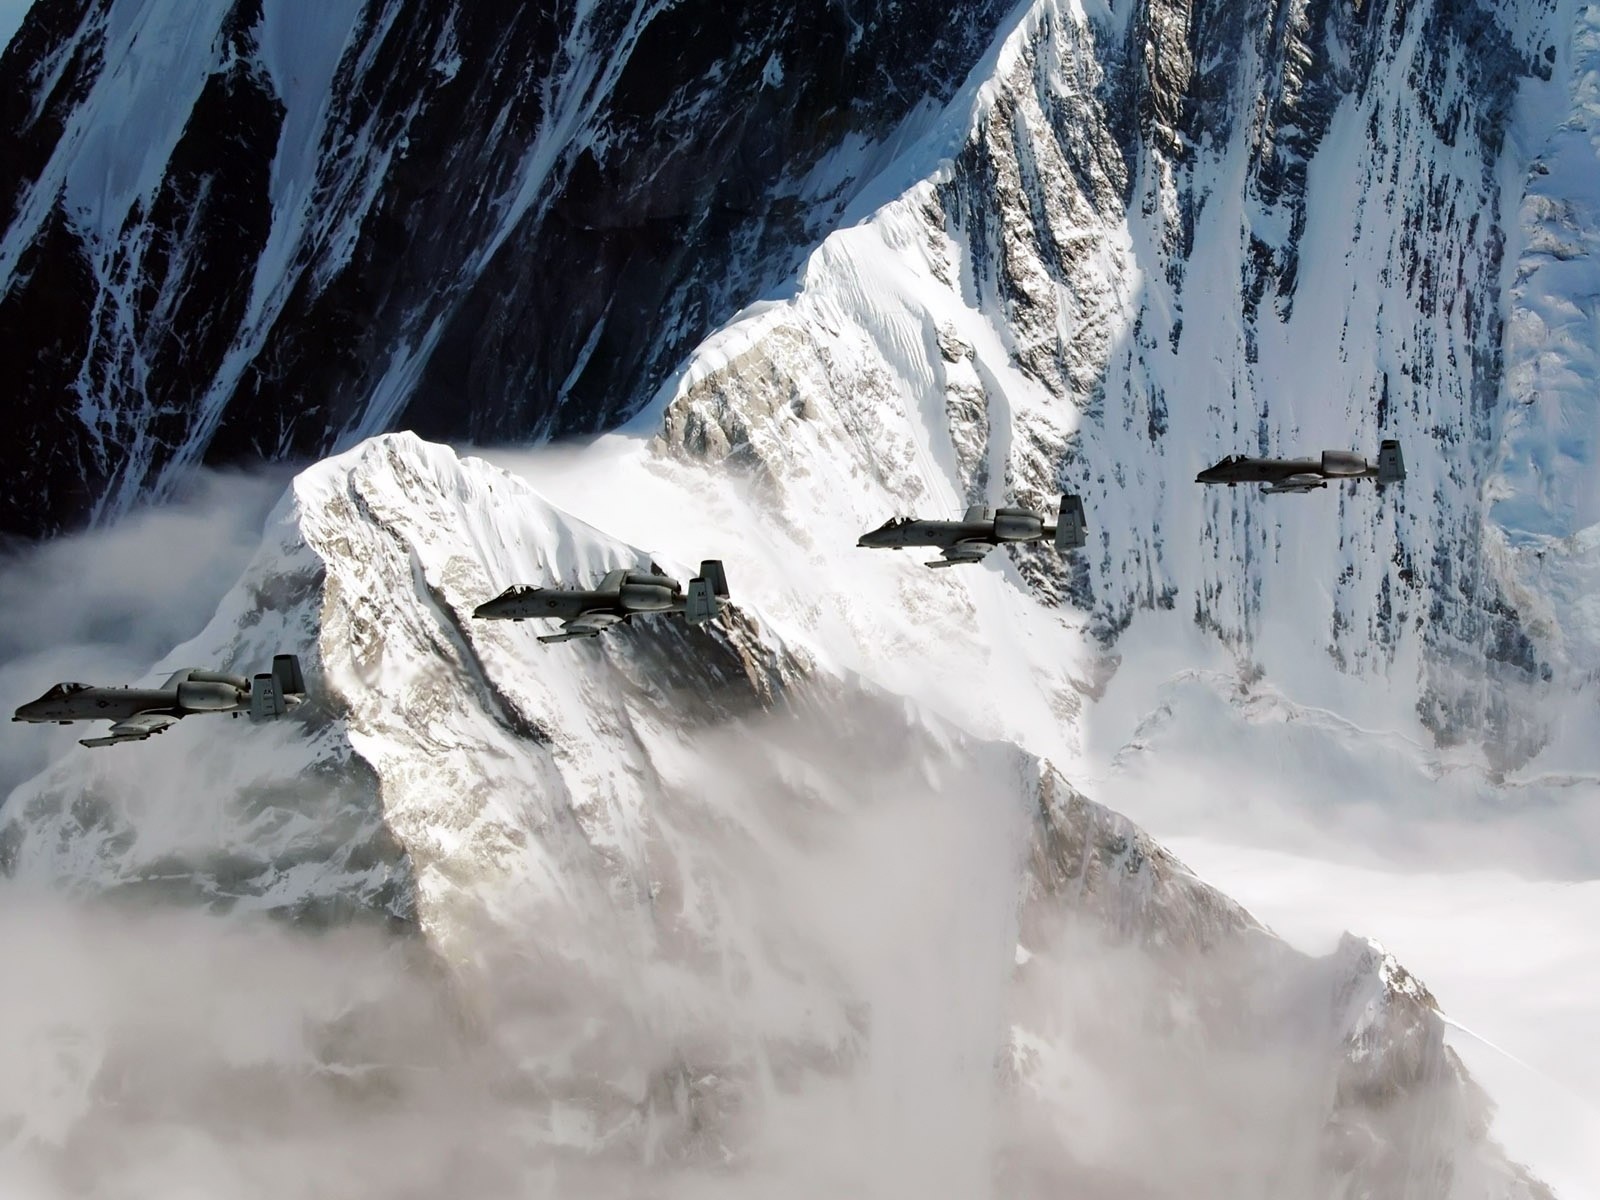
(1124, 166)
(266, 228)
(1075, 299)
(961, 402)
(644, 809)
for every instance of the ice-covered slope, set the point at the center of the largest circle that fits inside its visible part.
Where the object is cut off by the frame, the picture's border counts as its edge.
(721, 909)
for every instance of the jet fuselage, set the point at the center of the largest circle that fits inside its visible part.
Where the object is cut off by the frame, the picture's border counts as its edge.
(637, 592)
(1263, 470)
(980, 530)
(68, 702)
(1308, 474)
(136, 713)
(908, 531)
(622, 595)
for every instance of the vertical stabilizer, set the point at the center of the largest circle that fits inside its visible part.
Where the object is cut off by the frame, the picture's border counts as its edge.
(1072, 531)
(286, 675)
(266, 701)
(1391, 466)
(707, 591)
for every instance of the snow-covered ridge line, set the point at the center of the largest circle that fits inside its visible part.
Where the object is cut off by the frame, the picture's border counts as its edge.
(672, 819)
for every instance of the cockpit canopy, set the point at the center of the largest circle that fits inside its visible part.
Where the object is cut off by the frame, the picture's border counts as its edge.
(62, 690)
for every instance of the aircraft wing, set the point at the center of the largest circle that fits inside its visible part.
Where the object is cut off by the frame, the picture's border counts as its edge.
(134, 729)
(1295, 483)
(586, 625)
(178, 677)
(962, 552)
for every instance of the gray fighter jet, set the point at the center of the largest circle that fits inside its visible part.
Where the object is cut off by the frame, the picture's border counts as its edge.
(1305, 474)
(621, 596)
(980, 531)
(136, 713)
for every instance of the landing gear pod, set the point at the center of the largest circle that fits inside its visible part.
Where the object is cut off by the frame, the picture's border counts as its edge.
(1072, 530)
(1391, 465)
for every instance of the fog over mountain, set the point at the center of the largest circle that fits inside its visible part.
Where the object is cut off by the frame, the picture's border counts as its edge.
(834, 893)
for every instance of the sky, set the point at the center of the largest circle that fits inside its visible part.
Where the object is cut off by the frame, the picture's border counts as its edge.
(11, 14)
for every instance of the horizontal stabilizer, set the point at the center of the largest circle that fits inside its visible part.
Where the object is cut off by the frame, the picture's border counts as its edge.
(1391, 464)
(1072, 531)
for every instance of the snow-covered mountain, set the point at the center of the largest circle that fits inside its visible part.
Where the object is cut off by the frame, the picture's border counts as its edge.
(696, 890)
(721, 908)
(1146, 234)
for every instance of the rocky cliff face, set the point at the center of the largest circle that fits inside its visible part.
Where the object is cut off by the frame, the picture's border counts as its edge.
(266, 229)
(1174, 234)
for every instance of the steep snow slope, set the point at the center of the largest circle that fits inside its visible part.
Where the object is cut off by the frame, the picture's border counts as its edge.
(264, 228)
(1044, 332)
(713, 906)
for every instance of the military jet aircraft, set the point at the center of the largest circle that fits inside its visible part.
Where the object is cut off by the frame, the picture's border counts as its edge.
(1305, 474)
(137, 713)
(980, 531)
(621, 596)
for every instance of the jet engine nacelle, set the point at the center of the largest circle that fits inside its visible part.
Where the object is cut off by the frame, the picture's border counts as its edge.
(1343, 462)
(646, 597)
(237, 681)
(1017, 525)
(199, 695)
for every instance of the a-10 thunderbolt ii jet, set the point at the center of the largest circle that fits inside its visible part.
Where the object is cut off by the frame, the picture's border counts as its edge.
(621, 596)
(137, 713)
(1305, 474)
(980, 531)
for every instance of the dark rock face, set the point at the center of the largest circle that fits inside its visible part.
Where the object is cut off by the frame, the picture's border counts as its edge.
(516, 221)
